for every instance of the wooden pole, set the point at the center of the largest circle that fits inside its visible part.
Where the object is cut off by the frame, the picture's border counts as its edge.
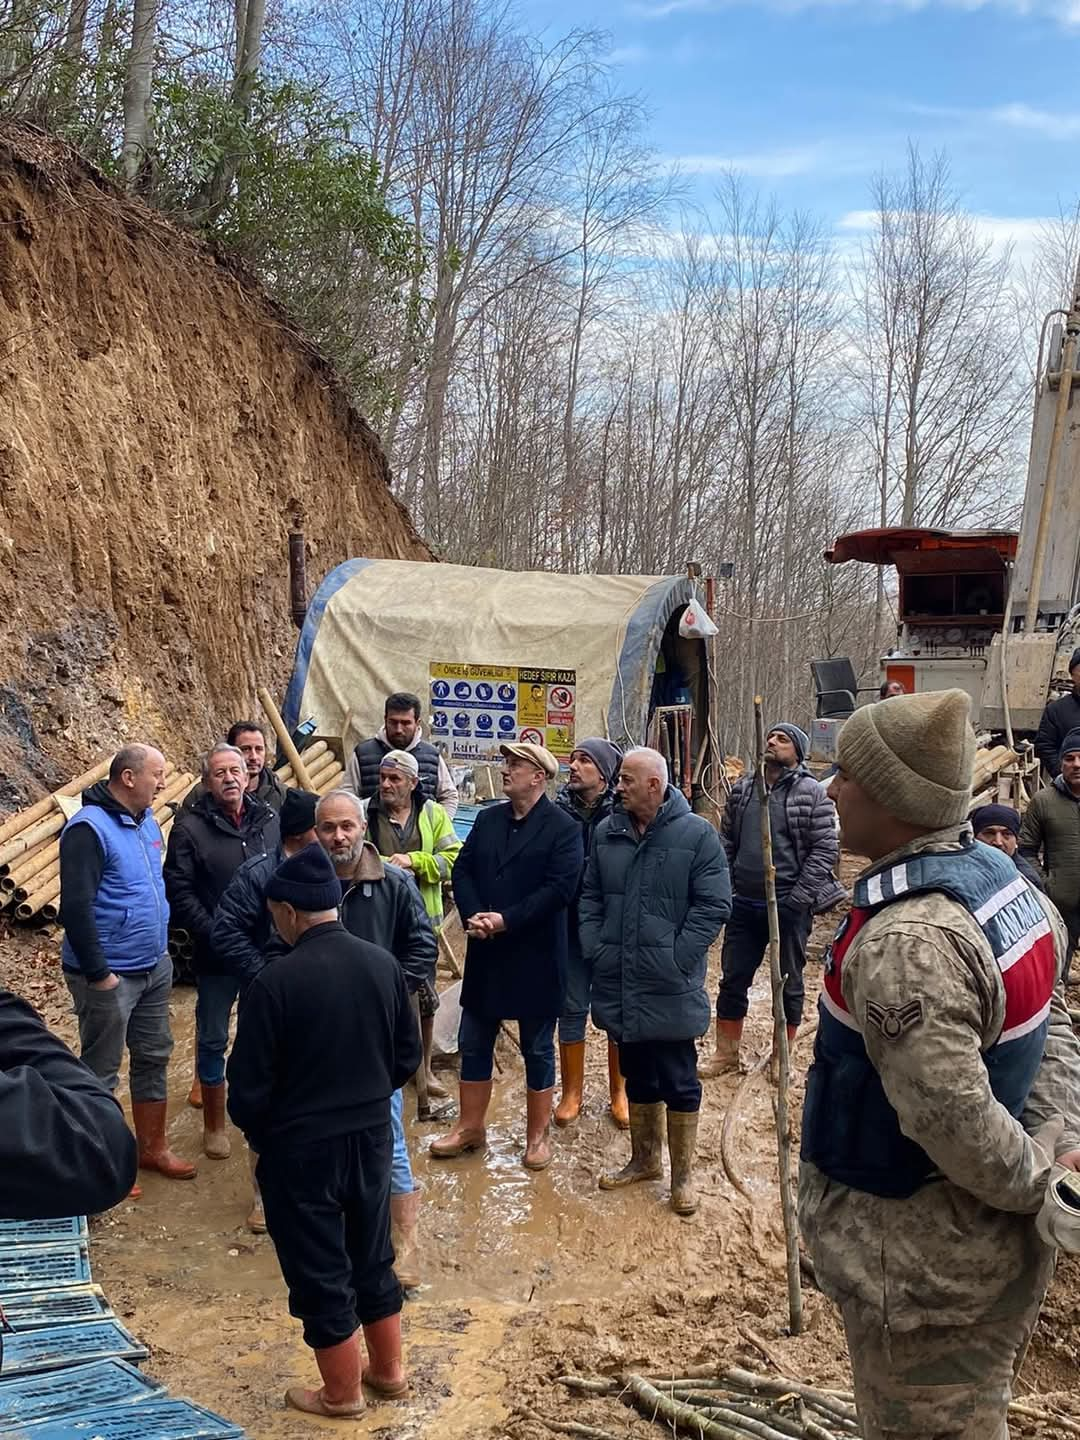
(291, 752)
(780, 1043)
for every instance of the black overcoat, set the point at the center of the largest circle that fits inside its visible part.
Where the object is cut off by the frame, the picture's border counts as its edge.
(529, 873)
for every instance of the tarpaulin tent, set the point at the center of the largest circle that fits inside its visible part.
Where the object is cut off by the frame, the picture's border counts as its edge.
(495, 655)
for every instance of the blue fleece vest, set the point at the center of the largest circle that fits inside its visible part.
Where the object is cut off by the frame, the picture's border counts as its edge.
(850, 1131)
(130, 908)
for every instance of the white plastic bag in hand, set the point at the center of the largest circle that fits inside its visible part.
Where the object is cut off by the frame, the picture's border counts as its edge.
(695, 622)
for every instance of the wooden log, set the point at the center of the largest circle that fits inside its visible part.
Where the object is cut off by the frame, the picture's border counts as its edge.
(284, 738)
(41, 809)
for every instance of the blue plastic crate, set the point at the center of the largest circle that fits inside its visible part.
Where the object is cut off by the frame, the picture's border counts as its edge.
(72, 1391)
(158, 1418)
(34, 1309)
(58, 1345)
(43, 1267)
(42, 1232)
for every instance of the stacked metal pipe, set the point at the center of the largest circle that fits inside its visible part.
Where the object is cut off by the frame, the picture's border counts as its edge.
(325, 770)
(30, 841)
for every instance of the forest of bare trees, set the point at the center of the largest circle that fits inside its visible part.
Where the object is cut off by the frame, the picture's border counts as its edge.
(573, 367)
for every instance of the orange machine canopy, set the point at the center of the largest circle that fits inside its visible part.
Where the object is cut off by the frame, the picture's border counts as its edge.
(899, 545)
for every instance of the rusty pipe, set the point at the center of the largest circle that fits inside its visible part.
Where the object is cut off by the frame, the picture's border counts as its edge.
(298, 591)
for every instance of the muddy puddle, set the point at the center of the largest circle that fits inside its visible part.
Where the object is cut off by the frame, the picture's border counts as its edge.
(527, 1276)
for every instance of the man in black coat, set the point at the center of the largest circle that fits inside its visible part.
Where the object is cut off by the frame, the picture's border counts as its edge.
(326, 1035)
(1059, 717)
(243, 937)
(207, 846)
(382, 905)
(514, 881)
(64, 1147)
(262, 783)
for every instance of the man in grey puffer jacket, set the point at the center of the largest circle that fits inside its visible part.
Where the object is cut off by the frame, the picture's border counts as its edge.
(805, 851)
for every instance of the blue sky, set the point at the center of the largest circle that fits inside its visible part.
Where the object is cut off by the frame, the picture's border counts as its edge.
(809, 98)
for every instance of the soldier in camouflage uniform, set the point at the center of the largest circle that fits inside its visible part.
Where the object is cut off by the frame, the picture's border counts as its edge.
(946, 1081)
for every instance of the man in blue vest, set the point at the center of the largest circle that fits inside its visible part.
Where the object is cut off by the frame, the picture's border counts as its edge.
(944, 1097)
(115, 954)
(401, 731)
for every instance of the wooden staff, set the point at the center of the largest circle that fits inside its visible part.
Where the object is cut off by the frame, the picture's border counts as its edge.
(291, 752)
(780, 1044)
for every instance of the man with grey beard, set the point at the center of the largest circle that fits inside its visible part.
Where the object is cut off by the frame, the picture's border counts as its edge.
(382, 904)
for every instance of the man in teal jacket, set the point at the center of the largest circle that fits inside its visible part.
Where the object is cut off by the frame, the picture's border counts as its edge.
(656, 896)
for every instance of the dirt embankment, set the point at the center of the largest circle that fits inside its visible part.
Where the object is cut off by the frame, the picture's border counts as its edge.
(160, 425)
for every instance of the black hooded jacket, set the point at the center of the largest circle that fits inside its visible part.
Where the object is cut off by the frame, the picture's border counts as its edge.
(64, 1146)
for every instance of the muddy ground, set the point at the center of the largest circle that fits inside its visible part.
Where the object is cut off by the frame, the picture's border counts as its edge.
(527, 1276)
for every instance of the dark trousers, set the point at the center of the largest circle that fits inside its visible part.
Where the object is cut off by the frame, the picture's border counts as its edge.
(476, 1042)
(327, 1209)
(746, 940)
(665, 1070)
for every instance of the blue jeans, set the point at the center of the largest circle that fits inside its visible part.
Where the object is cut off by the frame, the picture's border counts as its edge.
(216, 996)
(476, 1041)
(401, 1176)
(576, 1005)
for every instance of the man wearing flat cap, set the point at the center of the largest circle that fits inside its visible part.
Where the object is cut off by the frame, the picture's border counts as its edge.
(588, 796)
(805, 852)
(943, 1105)
(417, 835)
(514, 882)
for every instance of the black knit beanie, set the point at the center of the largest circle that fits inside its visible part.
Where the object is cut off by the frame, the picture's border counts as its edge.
(297, 813)
(306, 881)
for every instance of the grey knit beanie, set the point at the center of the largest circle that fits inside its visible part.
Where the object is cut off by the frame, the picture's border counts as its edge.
(913, 756)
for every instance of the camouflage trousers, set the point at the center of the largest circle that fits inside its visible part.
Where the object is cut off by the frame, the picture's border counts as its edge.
(936, 1382)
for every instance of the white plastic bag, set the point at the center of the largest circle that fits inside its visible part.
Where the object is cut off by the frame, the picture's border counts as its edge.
(695, 623)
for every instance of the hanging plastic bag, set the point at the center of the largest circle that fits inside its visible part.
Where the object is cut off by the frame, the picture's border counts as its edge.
(695, 623)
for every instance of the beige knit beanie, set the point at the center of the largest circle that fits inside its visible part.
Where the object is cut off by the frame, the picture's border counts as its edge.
(913, 754)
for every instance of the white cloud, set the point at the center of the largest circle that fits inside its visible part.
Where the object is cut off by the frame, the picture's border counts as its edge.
(1018, 231)
(768, 164)
(1052, 124)
(627, 55)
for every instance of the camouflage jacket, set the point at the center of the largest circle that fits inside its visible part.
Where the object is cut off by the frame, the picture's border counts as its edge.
(963, 1247)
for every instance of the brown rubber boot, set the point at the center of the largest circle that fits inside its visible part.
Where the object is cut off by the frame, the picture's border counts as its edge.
(404, 1214)
(468, 1133)
(256, 1220)
(620, 1111)
(148, 1117)
(646, 1148)
(340, 1393)
(194, 1098)
(774, 1059)
(725, 1058)
(384, 1372)
(682, 1145)
(538, 1129)
(572, 1078)
(215, 1138)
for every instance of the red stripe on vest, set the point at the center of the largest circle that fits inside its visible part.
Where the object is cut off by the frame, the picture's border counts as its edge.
(1029, 983)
